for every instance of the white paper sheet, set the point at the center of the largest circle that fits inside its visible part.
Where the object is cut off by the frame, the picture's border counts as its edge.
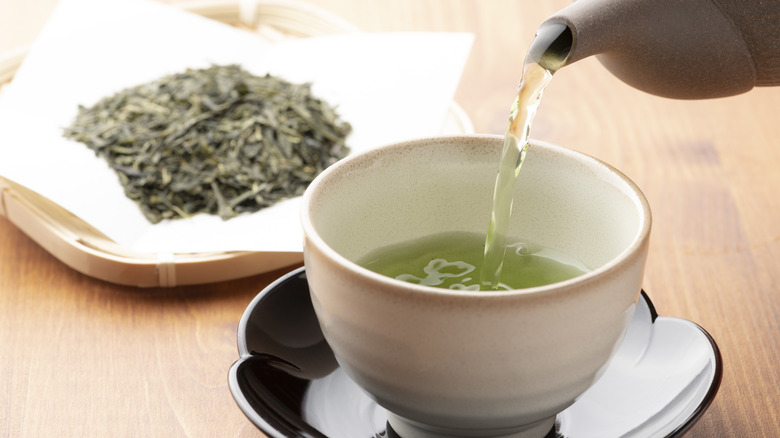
(389, 86)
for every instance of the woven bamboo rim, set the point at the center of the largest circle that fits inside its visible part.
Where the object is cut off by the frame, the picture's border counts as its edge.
(85, 249)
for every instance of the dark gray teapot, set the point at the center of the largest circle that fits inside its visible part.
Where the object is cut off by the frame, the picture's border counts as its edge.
(685, 49)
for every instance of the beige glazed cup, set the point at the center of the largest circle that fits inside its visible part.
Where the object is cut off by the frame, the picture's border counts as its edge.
(466, 363)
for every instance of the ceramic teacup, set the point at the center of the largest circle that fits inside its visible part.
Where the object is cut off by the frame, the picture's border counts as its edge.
(470, 363)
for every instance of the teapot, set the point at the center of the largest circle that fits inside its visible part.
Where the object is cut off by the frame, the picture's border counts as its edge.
(684, 49)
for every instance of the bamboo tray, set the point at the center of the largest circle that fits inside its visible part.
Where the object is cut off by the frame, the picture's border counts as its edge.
(85, 249)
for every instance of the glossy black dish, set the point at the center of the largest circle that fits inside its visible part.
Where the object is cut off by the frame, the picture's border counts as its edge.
(663, 377)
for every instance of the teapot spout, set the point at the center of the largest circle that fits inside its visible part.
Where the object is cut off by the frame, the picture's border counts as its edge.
(684, 50)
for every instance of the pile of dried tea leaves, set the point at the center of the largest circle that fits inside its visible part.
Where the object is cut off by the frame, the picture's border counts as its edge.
(218, 140)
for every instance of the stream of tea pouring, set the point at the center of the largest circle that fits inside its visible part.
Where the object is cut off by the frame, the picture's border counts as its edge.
(694, 49)
(547, 53)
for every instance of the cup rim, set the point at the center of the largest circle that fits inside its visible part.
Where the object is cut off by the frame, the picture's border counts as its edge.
(310, 232)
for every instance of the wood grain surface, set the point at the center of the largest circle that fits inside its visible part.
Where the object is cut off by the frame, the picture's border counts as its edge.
(85, 358)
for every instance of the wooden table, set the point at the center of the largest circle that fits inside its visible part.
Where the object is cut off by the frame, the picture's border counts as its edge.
(85, 358)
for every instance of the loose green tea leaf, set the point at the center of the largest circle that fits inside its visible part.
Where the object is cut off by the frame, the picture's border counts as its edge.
(217, 140)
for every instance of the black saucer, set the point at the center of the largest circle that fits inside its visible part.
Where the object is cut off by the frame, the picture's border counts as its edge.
(662, 379)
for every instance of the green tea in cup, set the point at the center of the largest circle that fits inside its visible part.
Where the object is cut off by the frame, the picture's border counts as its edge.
(454, 260)
(455, 361)
(382, 227)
